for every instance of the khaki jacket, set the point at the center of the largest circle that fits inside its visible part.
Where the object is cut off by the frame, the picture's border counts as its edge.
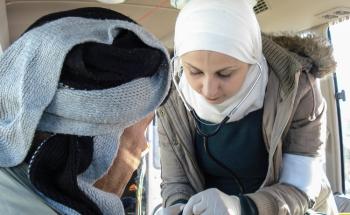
(293, 122)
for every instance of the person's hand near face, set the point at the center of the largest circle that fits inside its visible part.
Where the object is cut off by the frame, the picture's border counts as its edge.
(133, 139)
(133, 144)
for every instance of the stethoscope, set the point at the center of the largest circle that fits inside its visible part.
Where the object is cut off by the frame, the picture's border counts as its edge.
(177, 72)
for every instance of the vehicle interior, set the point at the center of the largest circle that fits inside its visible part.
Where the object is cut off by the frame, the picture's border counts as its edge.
(327, 19)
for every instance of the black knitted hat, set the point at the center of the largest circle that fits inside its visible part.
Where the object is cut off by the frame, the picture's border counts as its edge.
(91, 65)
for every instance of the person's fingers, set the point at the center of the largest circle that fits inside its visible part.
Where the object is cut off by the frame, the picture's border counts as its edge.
(207, 212)
(182, 207)
(139, 127)
(175, 209)
(145, 149)
(188, 209)
(199, 208)
(146, 121)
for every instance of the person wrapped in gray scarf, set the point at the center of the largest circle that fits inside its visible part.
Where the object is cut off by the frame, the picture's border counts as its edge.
(70, 86)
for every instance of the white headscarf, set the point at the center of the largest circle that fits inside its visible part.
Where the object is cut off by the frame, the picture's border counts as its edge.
(229, 27)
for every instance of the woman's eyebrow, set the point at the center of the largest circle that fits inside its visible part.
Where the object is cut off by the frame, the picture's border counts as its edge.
(220, 70)
(193, 67)
(227, 68)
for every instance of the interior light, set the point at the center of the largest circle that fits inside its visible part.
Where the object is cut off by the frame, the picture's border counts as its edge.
(111, 1)
(179, 4)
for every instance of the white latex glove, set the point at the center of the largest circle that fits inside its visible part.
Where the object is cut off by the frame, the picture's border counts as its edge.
(171, 210)
(212, 201)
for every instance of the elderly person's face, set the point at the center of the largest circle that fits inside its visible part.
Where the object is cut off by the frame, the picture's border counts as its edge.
(132, 144)
(215, 76)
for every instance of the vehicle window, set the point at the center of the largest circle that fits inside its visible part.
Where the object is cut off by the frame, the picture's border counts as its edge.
(154, 142)
(340, 34)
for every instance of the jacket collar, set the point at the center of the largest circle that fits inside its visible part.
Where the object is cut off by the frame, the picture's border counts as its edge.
(288, 55)
(282, 63)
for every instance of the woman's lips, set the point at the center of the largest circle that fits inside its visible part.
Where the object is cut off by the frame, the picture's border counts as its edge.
(212, 100)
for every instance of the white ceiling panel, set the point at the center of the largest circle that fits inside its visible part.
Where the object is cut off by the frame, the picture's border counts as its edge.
(159, 17)
(295, 15)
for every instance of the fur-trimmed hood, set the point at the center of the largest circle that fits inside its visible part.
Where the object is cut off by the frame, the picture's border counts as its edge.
(287, 55)
(311, 50)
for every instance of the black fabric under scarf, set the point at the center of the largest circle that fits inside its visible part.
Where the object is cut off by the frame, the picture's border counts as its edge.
(54, 167)
(93, 66)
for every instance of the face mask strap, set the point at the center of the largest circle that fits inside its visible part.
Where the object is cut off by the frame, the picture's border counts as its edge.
(252, 86)
(175, 81)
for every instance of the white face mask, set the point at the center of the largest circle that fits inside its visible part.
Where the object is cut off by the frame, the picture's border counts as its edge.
(249, 98)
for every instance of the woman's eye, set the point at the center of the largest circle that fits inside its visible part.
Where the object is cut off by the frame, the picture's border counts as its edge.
(224, 74)
(195, 72)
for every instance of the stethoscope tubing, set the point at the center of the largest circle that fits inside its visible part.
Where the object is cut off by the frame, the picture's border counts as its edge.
(206, 136)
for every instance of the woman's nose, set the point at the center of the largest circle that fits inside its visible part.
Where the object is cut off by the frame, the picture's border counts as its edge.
(210, 88)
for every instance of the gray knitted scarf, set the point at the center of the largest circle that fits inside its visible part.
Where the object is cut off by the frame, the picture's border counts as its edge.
(31, 98)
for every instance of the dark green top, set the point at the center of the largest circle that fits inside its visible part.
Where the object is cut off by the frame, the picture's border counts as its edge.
(240, 146)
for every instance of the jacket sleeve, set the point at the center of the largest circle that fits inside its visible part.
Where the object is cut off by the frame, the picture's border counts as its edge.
(175, 185)
(303, 144)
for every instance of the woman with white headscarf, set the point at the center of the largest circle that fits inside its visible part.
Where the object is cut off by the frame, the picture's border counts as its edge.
(243, 130)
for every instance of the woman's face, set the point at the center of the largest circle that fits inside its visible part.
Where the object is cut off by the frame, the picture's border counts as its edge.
(215, 76)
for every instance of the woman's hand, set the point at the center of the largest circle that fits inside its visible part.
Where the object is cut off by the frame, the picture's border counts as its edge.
(171, 210)
(132, 145)
(212, 201)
